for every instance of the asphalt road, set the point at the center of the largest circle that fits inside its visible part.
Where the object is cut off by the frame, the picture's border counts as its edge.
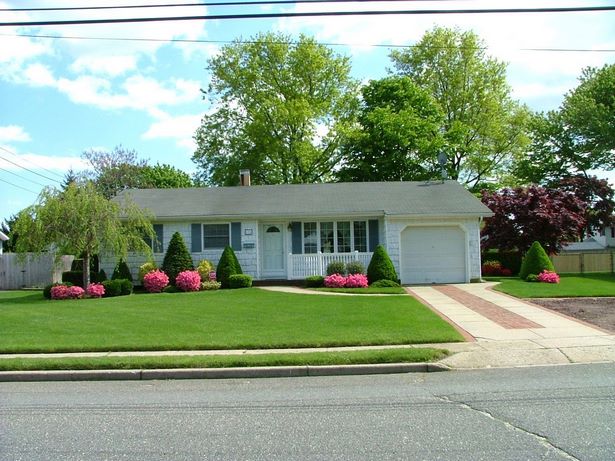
(542, 413)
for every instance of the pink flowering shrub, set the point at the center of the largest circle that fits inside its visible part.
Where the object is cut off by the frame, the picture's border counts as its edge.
(548, 277)
(64, 292)
(335, 281)
(95, 290)
(212, 276)
(155, 281)
(356, 281)
(188, 281)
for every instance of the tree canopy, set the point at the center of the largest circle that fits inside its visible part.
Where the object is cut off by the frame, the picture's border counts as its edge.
(484, 129)
(81, 221)
(278, 109)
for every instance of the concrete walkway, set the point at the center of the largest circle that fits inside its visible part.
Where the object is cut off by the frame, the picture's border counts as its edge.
(511, 332)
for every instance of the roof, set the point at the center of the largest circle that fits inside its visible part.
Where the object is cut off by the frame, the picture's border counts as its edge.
(447, 198)
(586, 245)
(3, 236)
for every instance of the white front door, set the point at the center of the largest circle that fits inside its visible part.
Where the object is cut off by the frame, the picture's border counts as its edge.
(274, 261)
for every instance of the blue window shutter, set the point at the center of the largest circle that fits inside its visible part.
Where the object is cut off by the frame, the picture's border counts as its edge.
(158, 244)
(297, 247)
(197, 239)
(236, 236)
(374, 238)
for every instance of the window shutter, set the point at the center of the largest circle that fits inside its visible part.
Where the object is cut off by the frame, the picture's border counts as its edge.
(236, 236)
(158, 244)
(296, 225)
(197, 239)
(374, 238)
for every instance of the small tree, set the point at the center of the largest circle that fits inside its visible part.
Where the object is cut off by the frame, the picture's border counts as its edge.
(177, 258)
(121, 271)
(535, 261)
(227, 266)
(79, 220)
(381, 267)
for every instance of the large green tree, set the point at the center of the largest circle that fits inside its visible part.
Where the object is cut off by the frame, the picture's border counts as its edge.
(277, 108)
(484, 128)
(397, 136)
(81, 221)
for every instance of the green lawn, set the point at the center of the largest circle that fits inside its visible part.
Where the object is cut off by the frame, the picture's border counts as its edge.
(225, 319)
(365, 291)
(400, 355)
(570, 286)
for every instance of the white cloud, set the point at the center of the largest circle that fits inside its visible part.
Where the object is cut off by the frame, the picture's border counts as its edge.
(13, 133)
(180, 128)
(38, 75)
(39, 162)
(105, 65)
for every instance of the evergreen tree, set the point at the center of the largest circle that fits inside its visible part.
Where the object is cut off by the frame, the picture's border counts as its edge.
(177, 258)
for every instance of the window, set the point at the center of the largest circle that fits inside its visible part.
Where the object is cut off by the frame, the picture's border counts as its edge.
(215, 235)
(343, 237)
(360, 236)
(310, 238)
(156, 246)
(326, 237)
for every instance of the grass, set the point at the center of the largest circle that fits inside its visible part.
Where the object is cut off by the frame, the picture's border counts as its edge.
(397, 355)
(366, 291)
(224, 319)
(570, 286)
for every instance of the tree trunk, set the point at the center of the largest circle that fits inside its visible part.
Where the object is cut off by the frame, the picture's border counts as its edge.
(86, 270)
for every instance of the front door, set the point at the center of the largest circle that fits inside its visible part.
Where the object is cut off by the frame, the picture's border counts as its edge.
(274, 262)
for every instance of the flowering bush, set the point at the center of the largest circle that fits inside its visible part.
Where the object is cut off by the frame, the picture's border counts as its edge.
(212, 276)
(65, 292)
(356, 281)
(155, 281)
(495, 268)
(208, 286)
(335, 281)
(95, 290)
(204, 269)
(146, 269)
(188, 281)
(548, 277)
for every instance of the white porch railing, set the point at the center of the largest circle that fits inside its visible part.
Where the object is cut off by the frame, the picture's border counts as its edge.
(302, 266)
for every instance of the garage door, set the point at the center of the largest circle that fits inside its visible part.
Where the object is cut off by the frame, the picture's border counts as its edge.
(433, 255)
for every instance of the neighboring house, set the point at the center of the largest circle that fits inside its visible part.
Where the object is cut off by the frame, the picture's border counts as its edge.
(3, 238)
(286, 232)
(605, 239)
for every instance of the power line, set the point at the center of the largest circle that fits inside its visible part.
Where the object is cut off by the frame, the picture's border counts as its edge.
(27, 169)
(22, 177)
(39, 166)
(230, 3)
(307, 14)
(19, 187)
(219, 42)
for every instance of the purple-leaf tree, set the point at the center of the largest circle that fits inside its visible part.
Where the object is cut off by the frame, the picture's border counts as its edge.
(552, 217)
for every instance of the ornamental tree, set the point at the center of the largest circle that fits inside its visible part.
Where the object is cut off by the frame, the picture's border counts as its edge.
(177, 258)
(552, 217)
(81, 221)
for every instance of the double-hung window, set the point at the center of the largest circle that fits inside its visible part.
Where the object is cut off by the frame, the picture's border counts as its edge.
(216, 236)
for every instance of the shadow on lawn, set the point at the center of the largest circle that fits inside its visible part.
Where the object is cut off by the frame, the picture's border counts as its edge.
(23, 299)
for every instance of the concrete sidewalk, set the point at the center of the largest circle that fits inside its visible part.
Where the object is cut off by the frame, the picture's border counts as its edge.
(511, 332)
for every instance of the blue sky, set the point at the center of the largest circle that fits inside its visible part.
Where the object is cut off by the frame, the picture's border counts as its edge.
(61, 97)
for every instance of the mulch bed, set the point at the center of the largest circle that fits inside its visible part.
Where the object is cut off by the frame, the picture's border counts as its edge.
(597, 311)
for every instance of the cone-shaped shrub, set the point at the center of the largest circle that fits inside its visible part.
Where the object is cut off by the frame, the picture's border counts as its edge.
(177, 258)
(227, 266)
(381, 267)
(535, 261)
(121, 271)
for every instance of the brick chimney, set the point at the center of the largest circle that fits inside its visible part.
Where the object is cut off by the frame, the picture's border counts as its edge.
(244, 177)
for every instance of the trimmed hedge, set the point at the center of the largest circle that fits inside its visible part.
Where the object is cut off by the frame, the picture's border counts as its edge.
(380, 266)
(535, 261)
(177, 258)
(227, 266)
(73, 277)
(240, 281)
(314, 281)
(117, 287)
(385, 284)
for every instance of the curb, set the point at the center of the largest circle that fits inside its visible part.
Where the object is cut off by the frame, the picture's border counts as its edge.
(220, 373)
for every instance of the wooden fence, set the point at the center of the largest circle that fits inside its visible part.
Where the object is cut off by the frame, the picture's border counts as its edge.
(585, 262)
(34, 271)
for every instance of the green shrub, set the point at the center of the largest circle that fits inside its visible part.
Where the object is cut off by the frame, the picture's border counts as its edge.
(355, 267)
(508, 259)
(47, 289)
(315, 281)
(112, 288)
(380, 267)
(240, 281)
(384, 284)
(210, 286)
(227, 266)
(145, 269)
(336, 267)
(204, 268)
(535, 261)
(531, 278)
(170, 289)
(121, 271)
(98, 277)
(125, 287)
(76, 265)
(73, 277)
(177, 258)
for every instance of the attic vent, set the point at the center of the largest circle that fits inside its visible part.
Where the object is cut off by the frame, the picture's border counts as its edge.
(244, 177)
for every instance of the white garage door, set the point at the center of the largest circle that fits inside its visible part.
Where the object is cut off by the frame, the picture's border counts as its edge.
(435, 254)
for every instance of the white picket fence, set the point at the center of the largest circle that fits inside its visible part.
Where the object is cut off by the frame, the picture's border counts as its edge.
(305, 265)
(34, 271)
